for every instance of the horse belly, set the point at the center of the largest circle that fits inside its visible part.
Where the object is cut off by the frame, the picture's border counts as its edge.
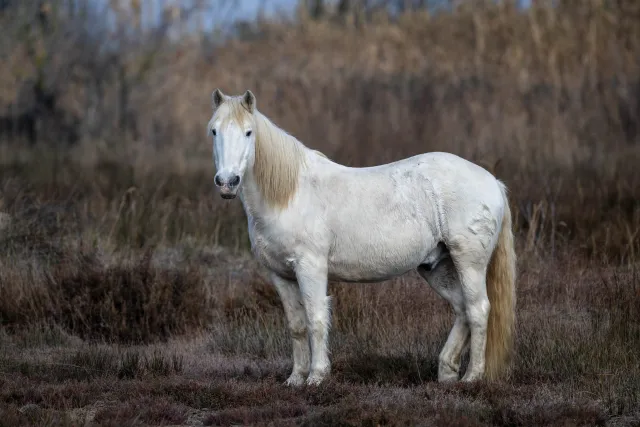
(378, 256)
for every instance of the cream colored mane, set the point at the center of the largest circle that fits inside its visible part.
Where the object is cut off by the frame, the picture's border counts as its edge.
(278, 155)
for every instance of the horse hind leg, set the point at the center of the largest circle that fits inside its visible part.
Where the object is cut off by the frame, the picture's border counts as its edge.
(471, 262)
(443, 278)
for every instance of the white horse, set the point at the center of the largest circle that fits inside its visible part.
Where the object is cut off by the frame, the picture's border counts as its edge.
(312, 220)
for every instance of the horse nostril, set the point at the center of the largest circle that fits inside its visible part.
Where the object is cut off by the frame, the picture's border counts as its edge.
(217, 181)
(234, 181)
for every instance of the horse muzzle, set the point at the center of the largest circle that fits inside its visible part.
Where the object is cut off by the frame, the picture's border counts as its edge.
(228, 193)
(227, 185)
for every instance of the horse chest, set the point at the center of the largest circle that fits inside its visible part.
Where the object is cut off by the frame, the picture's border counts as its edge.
(273, 251)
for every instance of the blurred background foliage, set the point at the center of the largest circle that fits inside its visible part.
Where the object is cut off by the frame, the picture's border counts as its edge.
(99, 97)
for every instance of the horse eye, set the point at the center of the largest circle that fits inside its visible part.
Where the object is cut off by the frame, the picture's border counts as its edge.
(213, 131)
(248, 133)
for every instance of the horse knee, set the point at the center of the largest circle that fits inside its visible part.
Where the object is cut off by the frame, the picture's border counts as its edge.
(318, 318)
(318, 325)
(298, 328)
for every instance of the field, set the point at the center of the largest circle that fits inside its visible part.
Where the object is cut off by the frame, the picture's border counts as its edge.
(128, 295)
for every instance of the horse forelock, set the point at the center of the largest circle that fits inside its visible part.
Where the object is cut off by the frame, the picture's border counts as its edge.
(231, 110)
(278, 155)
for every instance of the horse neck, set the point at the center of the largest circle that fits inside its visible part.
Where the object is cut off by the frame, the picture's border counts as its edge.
(273, 174)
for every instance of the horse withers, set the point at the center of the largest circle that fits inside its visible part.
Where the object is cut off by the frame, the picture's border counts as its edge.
(311, 220)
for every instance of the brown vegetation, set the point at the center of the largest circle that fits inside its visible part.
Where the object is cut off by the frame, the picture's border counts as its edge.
(127, 295)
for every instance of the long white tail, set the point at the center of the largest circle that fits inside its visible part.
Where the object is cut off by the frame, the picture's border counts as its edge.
(501, 277)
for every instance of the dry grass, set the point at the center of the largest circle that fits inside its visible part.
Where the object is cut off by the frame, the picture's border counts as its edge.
(576, 357)
(127, 296)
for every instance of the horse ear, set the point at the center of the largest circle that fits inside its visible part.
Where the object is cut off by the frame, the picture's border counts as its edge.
(217, 98)
(249, 101)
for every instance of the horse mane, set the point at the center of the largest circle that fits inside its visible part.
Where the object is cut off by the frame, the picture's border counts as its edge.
(279, 156)
(278, 160)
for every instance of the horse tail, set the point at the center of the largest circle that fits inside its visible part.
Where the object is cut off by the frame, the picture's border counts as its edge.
(501, 276)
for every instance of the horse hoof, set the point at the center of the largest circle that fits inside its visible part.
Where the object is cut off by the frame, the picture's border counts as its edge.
(294, 380)
(472, 378)
(447, 375)
(448, 378)
(315, 379)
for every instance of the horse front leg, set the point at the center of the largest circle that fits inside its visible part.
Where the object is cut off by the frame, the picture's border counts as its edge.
(312, 279)
(297, 322)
